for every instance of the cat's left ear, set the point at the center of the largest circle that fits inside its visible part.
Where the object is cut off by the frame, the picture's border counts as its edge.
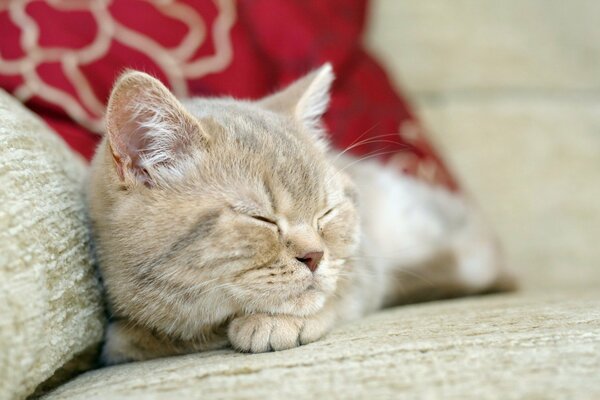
(306, 99)
(150, 134)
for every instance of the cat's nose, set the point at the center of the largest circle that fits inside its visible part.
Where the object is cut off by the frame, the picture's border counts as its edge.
(311, 259)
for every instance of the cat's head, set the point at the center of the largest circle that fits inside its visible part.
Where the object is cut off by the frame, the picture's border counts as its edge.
(220, 200)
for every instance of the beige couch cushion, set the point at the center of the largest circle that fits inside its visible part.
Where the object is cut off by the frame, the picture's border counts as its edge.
(50, 309)
(508, 346)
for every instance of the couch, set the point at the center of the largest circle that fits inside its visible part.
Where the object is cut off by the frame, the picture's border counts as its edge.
(515, 115)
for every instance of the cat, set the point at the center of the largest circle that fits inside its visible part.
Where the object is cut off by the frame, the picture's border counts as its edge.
(222, 222)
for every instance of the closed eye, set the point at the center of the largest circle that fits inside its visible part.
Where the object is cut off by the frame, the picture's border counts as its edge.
(325, 218)
(264, 219)
(326, 213)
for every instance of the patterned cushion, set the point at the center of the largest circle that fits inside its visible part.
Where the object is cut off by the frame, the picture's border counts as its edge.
(245, 49)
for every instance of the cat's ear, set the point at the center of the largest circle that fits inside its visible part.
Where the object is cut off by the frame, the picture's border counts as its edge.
(306, 99)
(149, 131)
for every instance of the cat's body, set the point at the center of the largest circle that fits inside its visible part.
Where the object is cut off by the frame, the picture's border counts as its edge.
(221, 221)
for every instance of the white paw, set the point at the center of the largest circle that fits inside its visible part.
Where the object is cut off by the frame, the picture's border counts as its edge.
(117, 347)
(258, 333)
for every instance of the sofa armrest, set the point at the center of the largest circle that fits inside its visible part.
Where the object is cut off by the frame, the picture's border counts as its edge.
(50, 304)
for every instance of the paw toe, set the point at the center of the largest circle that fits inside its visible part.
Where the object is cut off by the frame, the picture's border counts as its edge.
(285, 335)
(259, 333)
(250, 334)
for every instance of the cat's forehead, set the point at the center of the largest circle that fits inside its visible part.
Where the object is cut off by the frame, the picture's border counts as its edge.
(231, 113)
(250, 129)
(269, 146)
(249, 126)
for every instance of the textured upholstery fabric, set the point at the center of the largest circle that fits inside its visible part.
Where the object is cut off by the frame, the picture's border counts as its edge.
(509, 346)
(50, 307)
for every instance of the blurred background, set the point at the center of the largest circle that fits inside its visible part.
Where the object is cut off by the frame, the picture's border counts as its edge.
(510, 92)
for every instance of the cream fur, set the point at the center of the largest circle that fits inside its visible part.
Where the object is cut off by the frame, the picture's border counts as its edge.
(202, 209)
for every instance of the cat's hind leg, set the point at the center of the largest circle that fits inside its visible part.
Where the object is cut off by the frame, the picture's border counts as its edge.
(426, 242)
(126, 341)
(469, 261)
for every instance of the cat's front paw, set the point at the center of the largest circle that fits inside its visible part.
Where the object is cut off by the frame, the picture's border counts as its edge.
(258, 333)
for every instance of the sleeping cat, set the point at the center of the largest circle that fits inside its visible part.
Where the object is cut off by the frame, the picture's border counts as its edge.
(220, 221)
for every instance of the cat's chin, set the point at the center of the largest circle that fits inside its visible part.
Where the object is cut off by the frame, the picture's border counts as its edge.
(308, 302)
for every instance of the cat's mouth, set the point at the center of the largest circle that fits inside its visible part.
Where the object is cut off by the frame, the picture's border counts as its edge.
(315, 284)
(303, 293)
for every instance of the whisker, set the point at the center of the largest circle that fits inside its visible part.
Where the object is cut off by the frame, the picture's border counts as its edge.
(364, 133)
(376, 139)
(408, 270)
(368, 156)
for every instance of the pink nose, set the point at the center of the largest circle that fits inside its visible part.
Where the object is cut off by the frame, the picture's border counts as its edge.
(311, 260)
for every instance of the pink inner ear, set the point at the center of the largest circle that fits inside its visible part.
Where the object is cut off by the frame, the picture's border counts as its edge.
(118, 164)
(128, 142)
(122, 165)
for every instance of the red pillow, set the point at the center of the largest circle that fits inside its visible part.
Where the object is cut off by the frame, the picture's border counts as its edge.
(61, 59)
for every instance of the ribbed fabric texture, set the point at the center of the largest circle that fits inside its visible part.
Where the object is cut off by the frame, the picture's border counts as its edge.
(515, 346)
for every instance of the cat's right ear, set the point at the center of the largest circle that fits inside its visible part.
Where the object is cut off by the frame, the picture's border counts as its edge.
(150, 134)
(306, 99)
